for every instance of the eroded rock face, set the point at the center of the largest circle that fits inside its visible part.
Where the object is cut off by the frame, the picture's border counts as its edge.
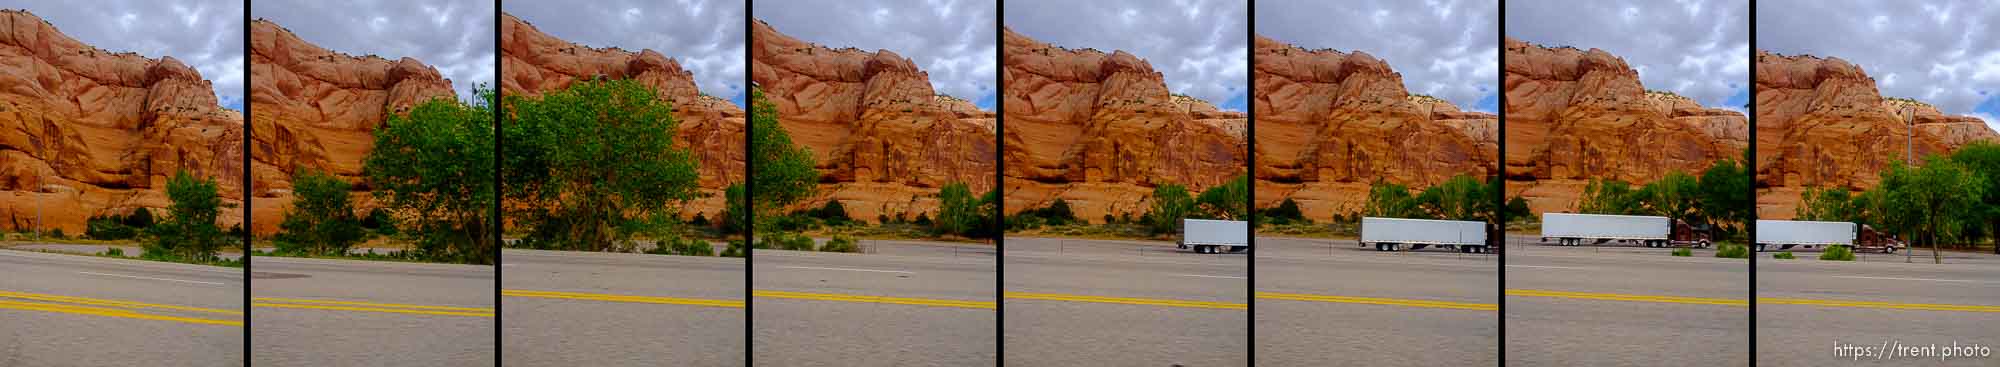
(1574, 115)
(1821, 122)
(317, 109)
(1330, 123)
(1101, 130)
(85, 131)
(533, 62)
(885, 140)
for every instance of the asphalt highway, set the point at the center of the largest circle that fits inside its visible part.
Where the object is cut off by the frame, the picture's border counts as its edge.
(70, 310)
(1624, 306)
(1807, 307)
(1326, 302)
(1074, 302)
(320, 312)
(902, 303)
(614, 309)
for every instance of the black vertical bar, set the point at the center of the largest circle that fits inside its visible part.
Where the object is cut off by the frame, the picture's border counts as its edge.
(498, 156)
(1250, 175)
(1500, 85)
(1750, 167)
(749, 185)
(1000, 186)
(247, 245)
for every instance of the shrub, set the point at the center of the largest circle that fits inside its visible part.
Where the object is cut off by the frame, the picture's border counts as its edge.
(1837, 253)
(189, 233)
(57, 233)
(840, 243)
(322, 220)
(923, 220)
(108, 227)
(1683, 252)
(699, 220)
(735, 249)
(140, 218)
(1733, 251)
(1787, 255)
(786, 241)
(114, 251)
(677, 245)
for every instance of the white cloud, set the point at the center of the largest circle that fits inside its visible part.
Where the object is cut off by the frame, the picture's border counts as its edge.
(952, 40)
(1453, 57)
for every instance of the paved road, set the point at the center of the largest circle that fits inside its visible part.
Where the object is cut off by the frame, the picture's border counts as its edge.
(1806, 306)
(1328, 302)
(319, 312)
(906, 303)
(1624, 306)
(610, 309)
(70, 310)
(1123, 303)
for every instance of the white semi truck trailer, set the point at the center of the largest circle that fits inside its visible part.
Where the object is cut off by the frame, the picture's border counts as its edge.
(1652, 231)
(1393, 234)
(1214, 236)
(1787, 235)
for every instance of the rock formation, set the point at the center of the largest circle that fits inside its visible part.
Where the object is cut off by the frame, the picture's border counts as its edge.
(1101, 130)
(316, 109)
(1821, 122)
(533, 62)
(1331, 123)
(1575, 115)
(885, 140)
(84, 131)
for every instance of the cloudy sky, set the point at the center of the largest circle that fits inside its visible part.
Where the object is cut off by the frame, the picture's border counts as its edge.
(953, 40)
(1200, 45)
(206, 34)
(1941, 52)
(1448, 49)
(706, 36)
(455, 36)
(1695, 48)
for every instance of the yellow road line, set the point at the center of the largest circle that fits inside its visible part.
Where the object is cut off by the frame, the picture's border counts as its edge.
(1626, 297)
(874, 299)
(1889, 305)
(275, 302)
(1126, 300)
(622, 298)
(106, 302)
(107, 312)
(1379, 301)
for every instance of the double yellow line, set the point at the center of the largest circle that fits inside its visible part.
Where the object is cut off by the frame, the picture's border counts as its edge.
(1626, 297)
(108, 308)
(1379, 301)
(874, 299)
(1127, 300)
(622, 298)
(274, 302)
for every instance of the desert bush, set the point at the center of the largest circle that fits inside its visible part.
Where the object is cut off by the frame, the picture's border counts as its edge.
(1837, 253)
(840, 243)
(1733, 251)
(1787, 255)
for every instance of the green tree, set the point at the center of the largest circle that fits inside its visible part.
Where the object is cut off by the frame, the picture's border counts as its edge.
(785, 172)
(594, 164)
(1286, 212)
(1937, 197)
(322, 220)
(1388, 200)
(1675, 196)
(1517, 208)
(1830, 204)
(1725, 196)
(958, 210)
(436, 164)
(1461, 198)
(1171, 203)
(1607, 196)
(1230, 200)
(1983, 158)
(734, 213)
(189, 232)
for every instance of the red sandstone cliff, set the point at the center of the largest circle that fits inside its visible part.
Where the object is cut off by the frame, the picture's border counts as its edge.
(1330, 123)
(1821, 122)
(885, 140)
(1101, 130)
(85, 131)
(533, 62)
(317, 109)
(1574, 115)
